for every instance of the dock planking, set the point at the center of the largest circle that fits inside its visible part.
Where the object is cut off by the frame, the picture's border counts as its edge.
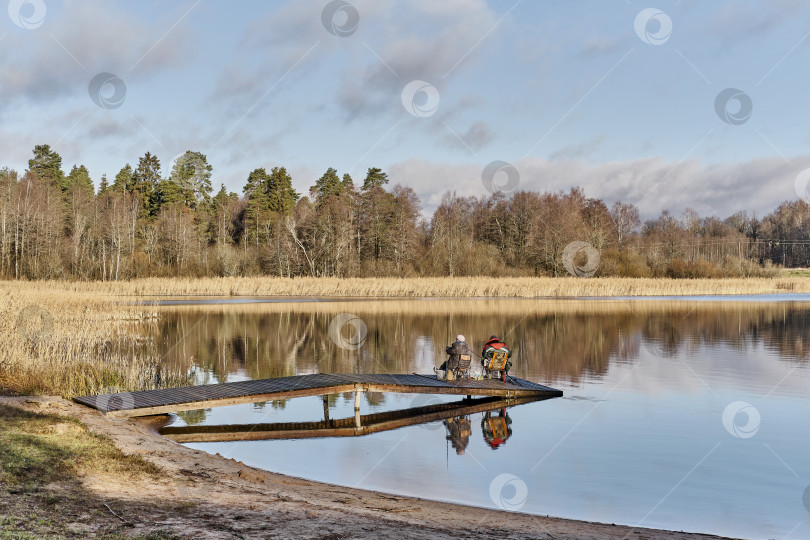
(167, 400)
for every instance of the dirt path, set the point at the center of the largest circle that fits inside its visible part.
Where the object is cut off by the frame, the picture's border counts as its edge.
(203, 496)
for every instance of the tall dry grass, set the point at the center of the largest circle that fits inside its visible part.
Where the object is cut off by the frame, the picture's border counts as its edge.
(60, 341)
(495, 307)
(461, 287)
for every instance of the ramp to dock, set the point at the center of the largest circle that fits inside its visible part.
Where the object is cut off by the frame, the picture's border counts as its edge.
(167, 400)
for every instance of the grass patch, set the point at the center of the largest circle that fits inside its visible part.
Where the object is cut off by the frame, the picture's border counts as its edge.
(42, 460)
(158, 535)
(39, 449)
(796, 272)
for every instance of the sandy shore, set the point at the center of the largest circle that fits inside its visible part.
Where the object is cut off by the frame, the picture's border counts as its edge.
(206, 496)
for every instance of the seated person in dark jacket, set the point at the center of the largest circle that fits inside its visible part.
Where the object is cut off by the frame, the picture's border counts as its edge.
(490, 347)
(455, 351)
(459, 431)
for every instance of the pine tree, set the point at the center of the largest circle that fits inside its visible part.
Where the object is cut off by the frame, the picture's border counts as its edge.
(280, 193)
(124, 179)
(192, 174)
(257, 180)
(328, 185)
(221, 197)
(145, 181)
(168, 192)
(104, 185)
(375, 177)
(376, 208)
(257, 211)
(47, 165)
(80, 178)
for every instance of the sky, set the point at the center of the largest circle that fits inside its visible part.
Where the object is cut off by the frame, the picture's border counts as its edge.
(668, 105)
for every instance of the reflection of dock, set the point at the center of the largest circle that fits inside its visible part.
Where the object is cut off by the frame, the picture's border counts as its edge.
(355, 426)
(149, 402)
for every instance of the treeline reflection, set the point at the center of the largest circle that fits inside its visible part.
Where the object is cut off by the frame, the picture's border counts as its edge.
(552, 340)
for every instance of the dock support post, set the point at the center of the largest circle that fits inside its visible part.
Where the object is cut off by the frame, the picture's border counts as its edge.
(326, 408)
(357, 391)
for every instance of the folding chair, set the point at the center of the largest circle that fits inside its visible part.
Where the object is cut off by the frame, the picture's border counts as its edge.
(495, 367)
(462, 370)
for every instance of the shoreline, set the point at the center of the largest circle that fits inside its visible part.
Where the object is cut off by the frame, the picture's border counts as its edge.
(223, 492)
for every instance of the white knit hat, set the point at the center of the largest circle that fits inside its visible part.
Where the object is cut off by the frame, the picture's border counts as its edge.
(460, 337)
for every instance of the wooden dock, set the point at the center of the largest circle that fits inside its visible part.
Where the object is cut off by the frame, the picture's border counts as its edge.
(356, 426)
(168, 400)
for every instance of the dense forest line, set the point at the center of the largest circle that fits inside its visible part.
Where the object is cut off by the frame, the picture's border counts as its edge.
(57, 225)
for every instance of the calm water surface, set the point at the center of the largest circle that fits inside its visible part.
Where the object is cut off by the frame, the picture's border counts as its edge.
(685, 415)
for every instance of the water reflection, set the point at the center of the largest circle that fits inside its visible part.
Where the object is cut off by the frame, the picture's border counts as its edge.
(458, 433)
(496, 429)
(553, 340)
(455, 416)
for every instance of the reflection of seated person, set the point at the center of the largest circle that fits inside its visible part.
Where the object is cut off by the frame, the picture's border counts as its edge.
(459, 431)
(496, 429)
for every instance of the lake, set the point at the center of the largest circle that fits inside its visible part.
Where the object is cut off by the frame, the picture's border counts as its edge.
(679, 414)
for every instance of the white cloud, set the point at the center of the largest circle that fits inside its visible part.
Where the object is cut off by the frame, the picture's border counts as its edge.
(394, 44)
(477, 136)
(744, 19)
(81, 40)
(428, 41)
(653, 184)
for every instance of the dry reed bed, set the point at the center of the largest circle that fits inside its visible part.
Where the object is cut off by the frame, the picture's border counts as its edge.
(523, 307)
(460, 287)
(71, 343)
